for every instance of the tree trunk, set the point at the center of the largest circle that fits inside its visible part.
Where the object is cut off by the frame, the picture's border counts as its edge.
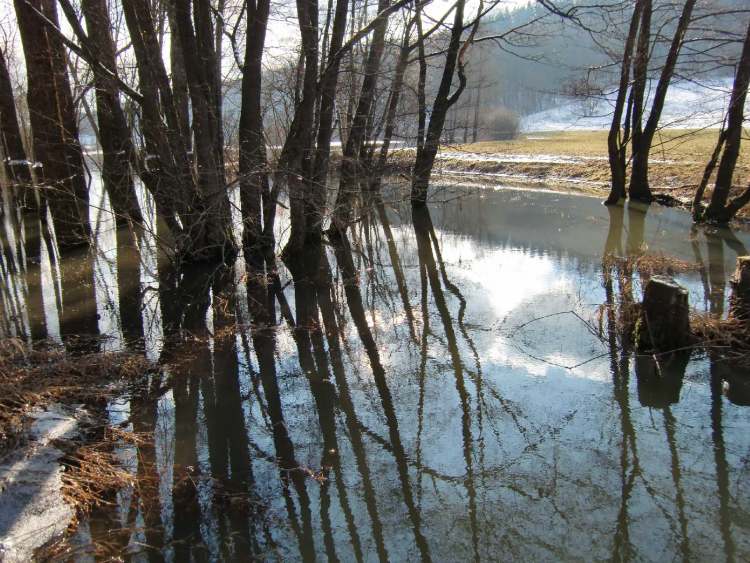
(114, 133)
(637, 189)
(718, 210)
(53, 123)
(639, 184)
(305, 213)
(350, 167)
(200, 200)
(203, 86)
(397, 87)
(328, 100)
(615, 141)
(179, 78)
(252, 166)
(11, 145)
(425, 158)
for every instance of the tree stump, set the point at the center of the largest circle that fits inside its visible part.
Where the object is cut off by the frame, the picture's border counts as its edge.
(739, 303)
(664, 323)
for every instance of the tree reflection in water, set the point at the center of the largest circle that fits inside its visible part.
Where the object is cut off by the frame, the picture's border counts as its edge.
(374, 405)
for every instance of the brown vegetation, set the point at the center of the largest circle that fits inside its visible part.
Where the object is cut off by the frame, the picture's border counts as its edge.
(34, 377)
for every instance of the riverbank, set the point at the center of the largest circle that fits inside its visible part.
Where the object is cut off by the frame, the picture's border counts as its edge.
(577, 160)
(54, 440)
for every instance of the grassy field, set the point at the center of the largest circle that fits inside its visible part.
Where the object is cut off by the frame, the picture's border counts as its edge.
(677, 160)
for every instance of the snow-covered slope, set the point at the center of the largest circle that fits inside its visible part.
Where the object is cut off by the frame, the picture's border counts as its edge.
(688, 106)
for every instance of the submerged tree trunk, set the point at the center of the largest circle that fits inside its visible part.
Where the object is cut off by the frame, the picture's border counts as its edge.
(719, 210)
(350, 165)
(205, 97)
(114, 133)
(199, 198)
(54, 127)
(390, 118)
(616, 141)
(426, 154)
(11, 145)
(643, 140)
(252, 165)
(304, 196)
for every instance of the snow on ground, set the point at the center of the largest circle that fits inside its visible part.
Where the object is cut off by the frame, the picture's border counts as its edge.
(688, 106)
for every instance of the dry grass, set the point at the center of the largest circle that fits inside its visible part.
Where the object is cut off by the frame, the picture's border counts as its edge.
(729, 335)
(35, 377)
(648, 264)
(93, 474)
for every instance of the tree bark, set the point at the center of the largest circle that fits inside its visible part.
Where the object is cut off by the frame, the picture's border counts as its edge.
(179, 77)
(639, 184)
(205, 96)
(16, 163)
(114, 134)
(616, 142)
(425, 158)
(252, 165)
(54, 127)
(350, 166)
(640, 70)
(718, 210)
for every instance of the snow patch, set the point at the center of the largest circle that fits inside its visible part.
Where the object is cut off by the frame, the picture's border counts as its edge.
(688, 106)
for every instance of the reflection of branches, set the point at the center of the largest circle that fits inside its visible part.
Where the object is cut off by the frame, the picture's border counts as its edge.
(669, 428)
(324, 292)
(354, 300)
(423, 230)
(720, 459)
(591, 328)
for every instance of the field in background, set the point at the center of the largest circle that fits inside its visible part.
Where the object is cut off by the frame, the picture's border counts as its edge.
(578, 159)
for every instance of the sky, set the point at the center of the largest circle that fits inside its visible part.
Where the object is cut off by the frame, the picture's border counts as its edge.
(283, 30)
(282, 33)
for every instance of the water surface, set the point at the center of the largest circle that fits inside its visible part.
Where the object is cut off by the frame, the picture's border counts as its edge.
(455, 387)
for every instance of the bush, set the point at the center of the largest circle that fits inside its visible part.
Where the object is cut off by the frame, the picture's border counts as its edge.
(499, 124)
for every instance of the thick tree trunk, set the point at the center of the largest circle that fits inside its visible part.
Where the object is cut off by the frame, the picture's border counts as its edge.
(252, 165)
(53, 123)
(179, 77)
(304, 196)
(200, 200)
(203, 86)
(11, 145)
(114, 133)
(166, 168)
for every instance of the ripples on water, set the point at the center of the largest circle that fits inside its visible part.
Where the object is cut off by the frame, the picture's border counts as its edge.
(456, 393)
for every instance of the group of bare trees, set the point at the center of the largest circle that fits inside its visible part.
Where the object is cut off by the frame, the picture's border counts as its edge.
(158, 72)
(658, 36)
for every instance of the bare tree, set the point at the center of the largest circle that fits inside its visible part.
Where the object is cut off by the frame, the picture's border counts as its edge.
(721, 209)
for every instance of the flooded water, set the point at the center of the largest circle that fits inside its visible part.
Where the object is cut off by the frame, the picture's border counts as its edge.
(448, 386)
